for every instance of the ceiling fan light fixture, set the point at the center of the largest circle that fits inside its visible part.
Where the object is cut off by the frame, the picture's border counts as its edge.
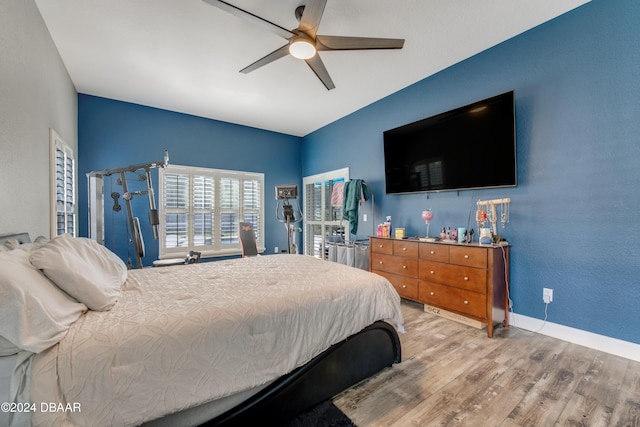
(302, 48)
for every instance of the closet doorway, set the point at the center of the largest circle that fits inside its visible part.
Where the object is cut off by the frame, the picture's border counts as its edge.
(323, 223)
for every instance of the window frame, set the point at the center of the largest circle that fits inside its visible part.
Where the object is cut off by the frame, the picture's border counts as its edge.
(57, 144)
(315, 245)
(217, 249)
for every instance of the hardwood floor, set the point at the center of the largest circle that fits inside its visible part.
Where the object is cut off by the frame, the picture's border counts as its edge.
(453, 375)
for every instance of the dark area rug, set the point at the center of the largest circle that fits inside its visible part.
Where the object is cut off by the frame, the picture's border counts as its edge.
(325, 414)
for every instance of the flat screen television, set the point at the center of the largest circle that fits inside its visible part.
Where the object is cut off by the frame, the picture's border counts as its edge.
(467, 148)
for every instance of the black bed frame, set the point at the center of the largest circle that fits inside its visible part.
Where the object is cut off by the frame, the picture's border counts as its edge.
(338, 368)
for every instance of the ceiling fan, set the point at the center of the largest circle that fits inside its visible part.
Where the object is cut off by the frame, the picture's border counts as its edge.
(303, 42)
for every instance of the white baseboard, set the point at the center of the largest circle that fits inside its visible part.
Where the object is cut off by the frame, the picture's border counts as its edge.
(602, 343)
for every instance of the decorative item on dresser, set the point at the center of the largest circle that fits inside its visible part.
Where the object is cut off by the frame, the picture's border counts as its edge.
(466, 279)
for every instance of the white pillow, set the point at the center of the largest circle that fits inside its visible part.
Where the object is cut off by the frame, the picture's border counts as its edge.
(34, 313)
(11, 244)
(40, 240)
(81, 267)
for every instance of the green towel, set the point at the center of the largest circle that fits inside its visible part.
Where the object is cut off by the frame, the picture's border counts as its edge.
(355, 191)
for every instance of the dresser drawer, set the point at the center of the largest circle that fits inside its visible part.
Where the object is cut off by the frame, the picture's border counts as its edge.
(405, 248)
(473, 279)
(469, 256)
(394, 264)
(454, 299)
(382, 246)
(461, 278)
(406, 287)
(434, 252)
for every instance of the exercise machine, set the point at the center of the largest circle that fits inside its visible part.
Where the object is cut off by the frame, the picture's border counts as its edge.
(96, 203)
(285, 193)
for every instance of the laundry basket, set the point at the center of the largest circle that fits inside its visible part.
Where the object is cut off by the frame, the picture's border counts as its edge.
(346, 255)
(361, 259)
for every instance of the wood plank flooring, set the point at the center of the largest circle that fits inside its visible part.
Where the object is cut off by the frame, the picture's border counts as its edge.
(453, 375)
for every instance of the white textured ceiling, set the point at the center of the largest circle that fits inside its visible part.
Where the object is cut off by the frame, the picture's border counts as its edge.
(184, 55)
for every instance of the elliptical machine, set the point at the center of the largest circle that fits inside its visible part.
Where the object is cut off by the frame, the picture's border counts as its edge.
(285, 193)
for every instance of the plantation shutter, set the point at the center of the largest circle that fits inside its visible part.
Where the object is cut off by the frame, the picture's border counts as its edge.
(63, 182)
(322, 222)
(176, 203)
(203, 215)
(230, 201)
(202, 209)
(252, 203)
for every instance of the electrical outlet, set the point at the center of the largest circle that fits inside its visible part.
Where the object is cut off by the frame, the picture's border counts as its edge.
(275, 250)
(364, 217)
(547, 295)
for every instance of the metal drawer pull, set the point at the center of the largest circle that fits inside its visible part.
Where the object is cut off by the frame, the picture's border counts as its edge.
(404, 286)
(432, 293)
(466, 257)
(432, 252)
(466, 278)
(404, 249)
(382, 246)
(466, 302)
(432, 272)
(404, 267)
(380, 262)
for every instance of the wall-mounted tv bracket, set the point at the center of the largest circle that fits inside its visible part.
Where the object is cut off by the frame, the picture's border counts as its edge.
(96, 207)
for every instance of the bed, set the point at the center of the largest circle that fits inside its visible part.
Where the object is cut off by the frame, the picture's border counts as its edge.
(234, 342)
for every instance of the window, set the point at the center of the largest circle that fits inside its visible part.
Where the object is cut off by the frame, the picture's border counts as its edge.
(63, 186)
(200, 210)
(322, 222)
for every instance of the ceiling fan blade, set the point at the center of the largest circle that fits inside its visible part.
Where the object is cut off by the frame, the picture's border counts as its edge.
(317, 66)
(276, 54)
(248, 16)
(310, 20)
(356, 43)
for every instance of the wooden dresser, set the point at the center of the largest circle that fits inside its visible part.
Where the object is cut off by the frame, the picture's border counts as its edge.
(467, 279)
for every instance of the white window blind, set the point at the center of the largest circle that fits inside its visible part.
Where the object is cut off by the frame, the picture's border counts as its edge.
(63, 186)
(200, 210)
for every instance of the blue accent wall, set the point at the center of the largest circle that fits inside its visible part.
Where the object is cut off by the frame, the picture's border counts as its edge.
(114, 134)
(574, 214)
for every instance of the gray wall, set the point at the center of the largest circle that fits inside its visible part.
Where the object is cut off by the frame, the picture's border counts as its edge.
(36, 93)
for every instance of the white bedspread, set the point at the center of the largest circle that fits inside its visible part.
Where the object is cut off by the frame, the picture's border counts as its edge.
(181, 336)
(7, 363)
